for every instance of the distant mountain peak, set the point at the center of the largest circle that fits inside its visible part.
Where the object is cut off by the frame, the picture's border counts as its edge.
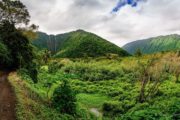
(80, 30)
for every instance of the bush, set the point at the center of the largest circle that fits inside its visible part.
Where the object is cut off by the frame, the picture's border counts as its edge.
(29, 73)
(54, 66)
(147, 114)
(112, 56)
(138, 53)
(64, 99)
(33, 72)
(112, 108)
(92, 72)
(4, 55)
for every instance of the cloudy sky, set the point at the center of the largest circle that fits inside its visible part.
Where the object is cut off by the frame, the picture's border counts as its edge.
(119, 21)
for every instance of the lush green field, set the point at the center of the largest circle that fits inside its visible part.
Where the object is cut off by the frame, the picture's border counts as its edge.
(110, 88)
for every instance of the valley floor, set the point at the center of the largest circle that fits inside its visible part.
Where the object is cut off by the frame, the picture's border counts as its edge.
(105, 89)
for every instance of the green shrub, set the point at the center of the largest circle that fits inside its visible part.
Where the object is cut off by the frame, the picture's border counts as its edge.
(54, 66)
(64, 99)
(138, 53)
(114, 93)
(93, 72)
(29, 73)
(4, 55)
(33, 72)
(113, 108)
(147, 114)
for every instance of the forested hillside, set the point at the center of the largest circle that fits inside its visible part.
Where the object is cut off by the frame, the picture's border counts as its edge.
(77, 44)
(49, 42)
(153, 45)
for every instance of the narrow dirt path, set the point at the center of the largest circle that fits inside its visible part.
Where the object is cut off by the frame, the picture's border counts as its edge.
(7, 99)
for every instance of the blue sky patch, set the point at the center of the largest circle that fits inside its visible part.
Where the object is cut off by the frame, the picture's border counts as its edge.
(122, 3)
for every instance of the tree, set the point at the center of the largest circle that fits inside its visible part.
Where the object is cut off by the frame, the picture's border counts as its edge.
(12, 15)
(176, 69)
(138, 53)
(14, 11)
(18, 45)
(20, 50)
(4, 55)
(151, 78)
(64, 99)
(46, 56)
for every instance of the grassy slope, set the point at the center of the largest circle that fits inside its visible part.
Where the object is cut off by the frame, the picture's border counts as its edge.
(157, 44)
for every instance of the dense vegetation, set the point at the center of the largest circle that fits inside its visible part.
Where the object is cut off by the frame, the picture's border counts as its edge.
(4, 54)
(88, 77)
(16, 51)
(77, 44)
(132, 88)
(153, 45)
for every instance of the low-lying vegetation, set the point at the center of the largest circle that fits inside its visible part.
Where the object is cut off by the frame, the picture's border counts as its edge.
(143, 87)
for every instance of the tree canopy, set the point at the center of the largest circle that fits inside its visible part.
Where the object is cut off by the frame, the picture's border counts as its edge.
(14, 11)
(16, 51)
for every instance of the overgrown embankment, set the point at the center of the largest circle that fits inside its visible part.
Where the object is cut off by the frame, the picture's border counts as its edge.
(31, 106)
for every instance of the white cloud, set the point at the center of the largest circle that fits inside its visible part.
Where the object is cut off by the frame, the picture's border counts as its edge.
(147, 19)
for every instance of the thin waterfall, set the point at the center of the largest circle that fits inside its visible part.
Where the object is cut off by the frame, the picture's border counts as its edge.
(55, 43)
(49, 42)
(52, 43)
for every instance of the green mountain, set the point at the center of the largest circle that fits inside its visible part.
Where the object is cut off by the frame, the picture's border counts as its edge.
(77, 44)
(156, 44)
(50, 42)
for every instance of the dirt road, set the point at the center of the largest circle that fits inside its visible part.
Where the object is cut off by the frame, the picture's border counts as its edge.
(7, 99)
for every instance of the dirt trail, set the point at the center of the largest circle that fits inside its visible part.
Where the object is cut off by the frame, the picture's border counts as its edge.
(7, 99)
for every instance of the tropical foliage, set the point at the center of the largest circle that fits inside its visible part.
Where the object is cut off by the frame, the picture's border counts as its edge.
(128, 88)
